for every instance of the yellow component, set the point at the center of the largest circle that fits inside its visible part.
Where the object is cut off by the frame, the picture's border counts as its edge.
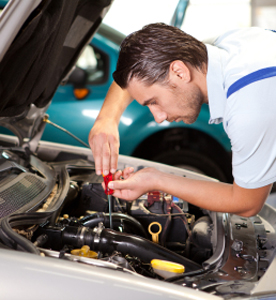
(85, 252)
(155, 235)
(167, 269)
(168, 266)
(65, 216)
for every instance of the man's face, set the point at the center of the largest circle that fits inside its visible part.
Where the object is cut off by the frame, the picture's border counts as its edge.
(166, 102)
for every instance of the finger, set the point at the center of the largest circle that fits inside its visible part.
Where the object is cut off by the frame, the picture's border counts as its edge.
(127, 172)
(114, 153)
(117, 175)
(98, 164)
(95, 146)
(106, 158)
(97, 159)
(119, 185)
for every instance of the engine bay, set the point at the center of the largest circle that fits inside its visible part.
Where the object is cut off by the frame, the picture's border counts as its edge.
(70, 197)
(59, 209)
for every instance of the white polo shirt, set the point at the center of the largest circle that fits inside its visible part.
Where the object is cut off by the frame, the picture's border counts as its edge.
(248, 115)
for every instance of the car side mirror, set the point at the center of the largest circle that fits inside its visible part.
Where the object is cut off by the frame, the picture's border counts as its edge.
(78, 78)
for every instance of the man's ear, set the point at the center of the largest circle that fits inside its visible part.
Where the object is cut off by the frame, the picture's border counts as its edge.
(179, 69)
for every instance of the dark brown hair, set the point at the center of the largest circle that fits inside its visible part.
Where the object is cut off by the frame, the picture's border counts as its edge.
(147, 54)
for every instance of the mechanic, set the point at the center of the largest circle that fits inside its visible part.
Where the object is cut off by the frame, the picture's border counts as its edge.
(174, 74)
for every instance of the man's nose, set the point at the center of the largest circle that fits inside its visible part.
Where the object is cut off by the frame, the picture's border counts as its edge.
(158, 114)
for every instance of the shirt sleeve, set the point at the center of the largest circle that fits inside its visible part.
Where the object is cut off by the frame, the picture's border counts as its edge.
(251, 126)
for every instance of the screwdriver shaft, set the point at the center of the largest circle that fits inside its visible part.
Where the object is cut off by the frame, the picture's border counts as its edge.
(110, 206)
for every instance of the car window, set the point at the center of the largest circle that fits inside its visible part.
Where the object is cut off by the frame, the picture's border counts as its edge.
(95, 63)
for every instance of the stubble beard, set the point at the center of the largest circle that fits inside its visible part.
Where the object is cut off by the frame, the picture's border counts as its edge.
(192, 103)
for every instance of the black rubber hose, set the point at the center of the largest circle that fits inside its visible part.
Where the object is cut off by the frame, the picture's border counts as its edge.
(146, 250)
(13, 239)
(93, 221)
(175, 279)
(108, 241)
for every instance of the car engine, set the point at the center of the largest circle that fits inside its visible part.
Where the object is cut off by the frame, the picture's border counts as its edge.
(62, 207)
(59, 209)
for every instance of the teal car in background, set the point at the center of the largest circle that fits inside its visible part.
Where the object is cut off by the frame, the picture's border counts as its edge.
(76, 104)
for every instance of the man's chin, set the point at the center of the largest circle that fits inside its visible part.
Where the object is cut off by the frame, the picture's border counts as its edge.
(191, 119)
(188, 120)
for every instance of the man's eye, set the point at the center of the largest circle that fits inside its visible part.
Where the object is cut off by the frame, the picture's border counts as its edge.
(153, 103)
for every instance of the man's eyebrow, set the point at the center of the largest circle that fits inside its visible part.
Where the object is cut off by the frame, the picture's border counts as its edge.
(147, 102)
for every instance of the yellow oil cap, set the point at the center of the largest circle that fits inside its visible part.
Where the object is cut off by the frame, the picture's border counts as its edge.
(166, 268)
(85, 252)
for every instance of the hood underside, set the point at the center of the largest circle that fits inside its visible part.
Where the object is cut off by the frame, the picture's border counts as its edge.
(44, 50)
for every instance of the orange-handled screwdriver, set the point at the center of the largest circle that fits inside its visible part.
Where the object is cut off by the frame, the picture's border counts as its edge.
(109, 192)
(107, 179)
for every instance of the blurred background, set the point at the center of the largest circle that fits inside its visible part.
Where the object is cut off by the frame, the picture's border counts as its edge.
(203, 18)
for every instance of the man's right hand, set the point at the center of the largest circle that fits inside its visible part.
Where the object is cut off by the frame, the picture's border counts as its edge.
(104, 143)
(104, 136)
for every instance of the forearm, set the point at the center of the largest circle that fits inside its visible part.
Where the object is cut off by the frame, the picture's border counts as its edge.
(115, 103)
(211, 195)
(215, 196)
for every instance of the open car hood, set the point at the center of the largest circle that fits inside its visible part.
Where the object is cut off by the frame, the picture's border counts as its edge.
(41, 41)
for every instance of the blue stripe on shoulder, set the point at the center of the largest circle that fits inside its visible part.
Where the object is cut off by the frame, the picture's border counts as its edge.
(250, 78)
